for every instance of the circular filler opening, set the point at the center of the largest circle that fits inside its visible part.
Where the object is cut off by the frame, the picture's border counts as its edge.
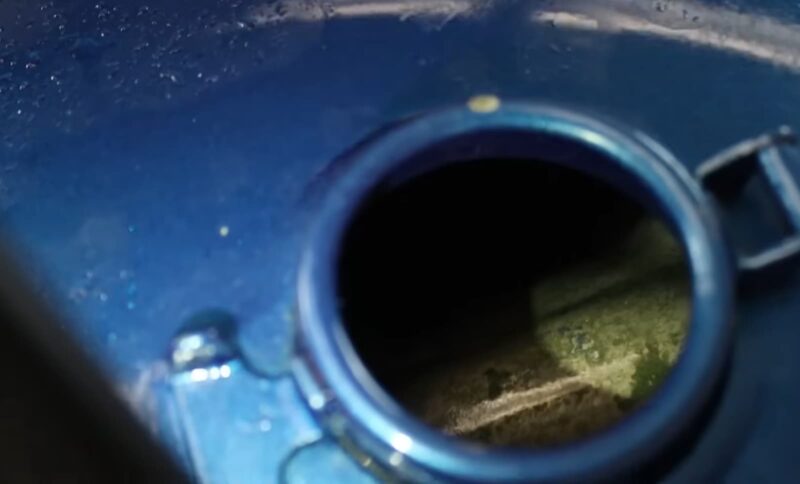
(512, 302)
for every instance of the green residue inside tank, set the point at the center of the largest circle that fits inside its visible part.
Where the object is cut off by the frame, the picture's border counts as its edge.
(651, 369)
(605, 334)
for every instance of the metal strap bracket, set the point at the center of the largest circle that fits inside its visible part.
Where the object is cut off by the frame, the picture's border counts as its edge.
(751, 182)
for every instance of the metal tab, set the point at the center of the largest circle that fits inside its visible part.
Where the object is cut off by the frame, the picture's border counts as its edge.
(752, 183)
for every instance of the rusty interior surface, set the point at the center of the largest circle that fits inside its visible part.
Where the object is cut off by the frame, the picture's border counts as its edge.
(513, 303)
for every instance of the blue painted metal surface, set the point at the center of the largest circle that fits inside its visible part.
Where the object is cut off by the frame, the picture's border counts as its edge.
(156, 161)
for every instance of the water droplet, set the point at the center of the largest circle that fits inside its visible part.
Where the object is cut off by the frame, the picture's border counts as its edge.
(316, 401)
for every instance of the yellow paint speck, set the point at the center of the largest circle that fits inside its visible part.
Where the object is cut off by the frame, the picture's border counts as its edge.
(484, 103)
(224, 231)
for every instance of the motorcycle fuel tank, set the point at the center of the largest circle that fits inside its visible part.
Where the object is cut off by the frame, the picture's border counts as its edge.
(446, 240)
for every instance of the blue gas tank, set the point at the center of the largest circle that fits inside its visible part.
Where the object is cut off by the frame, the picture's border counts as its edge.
(456, 240)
